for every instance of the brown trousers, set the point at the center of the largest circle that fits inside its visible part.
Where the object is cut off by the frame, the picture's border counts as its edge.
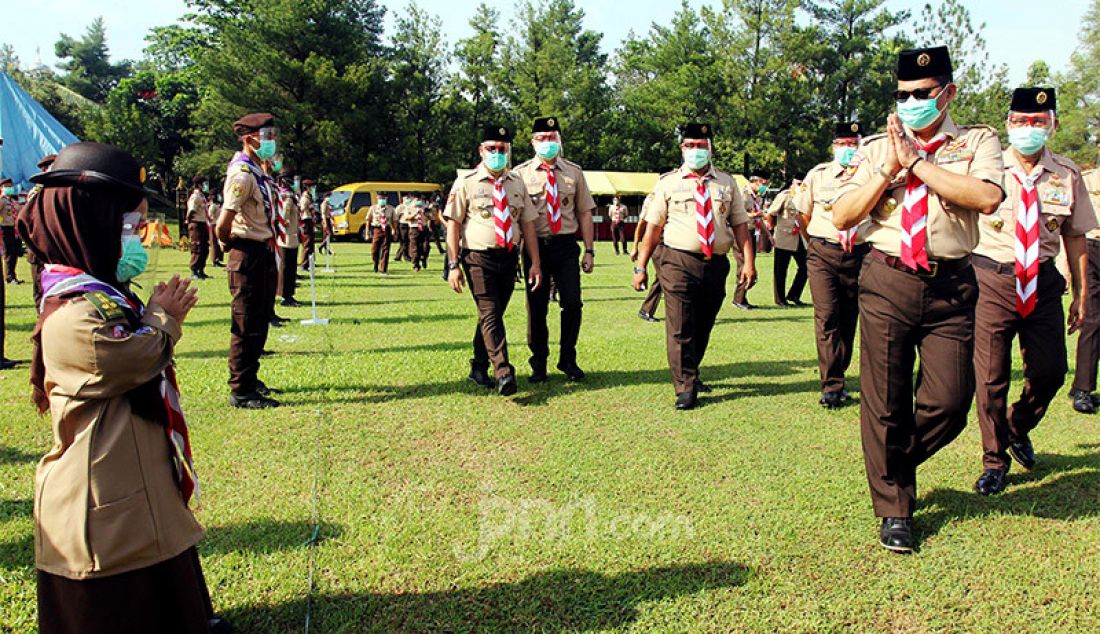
(1088, 339)
(216, 252)
(618, 236)
(3, 324)
(653, 297)
(834, 286)
(1042, 346)
(413, 246)
(252, 276)
(905, 420)
(491, 276)
(694, 289)
(423, 245)
(402, 238)
(380, 249)
(11, 251)
(307, 243)
(782, 262)
(199, 232)
(740, 294)
(288, 272)
(560, 260)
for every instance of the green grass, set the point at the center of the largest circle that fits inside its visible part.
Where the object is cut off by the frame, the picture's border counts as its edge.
(591, 507)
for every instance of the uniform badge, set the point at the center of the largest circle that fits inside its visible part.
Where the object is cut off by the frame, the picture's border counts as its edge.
(1041, 98)
(485, 213)
(1052, 225)
(924, 59)
(891, 205)
(108, 309)
(997, 223)
(827, 206)
(236, 190)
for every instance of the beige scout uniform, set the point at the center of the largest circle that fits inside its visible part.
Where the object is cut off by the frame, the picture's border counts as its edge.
(673, 206)
(787, 223)
(788, 246)
(572, 191)
(952, 232)
(381, 216)
(242, 195)
(196, 208)
(815, 198)
(906, 315)
(106, 499)
(1088, 340)
(471, 205)
(291, 214)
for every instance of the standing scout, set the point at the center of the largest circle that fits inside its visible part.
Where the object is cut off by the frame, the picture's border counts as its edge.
(287, 240)
(198, 228)
(414, 218)
(307, 223)
(1019, 288)
(10, 244)
(402, 235)
(326, 225)
(482, 240)
(381, 220)
(923, 184)
(617, 213)
(213, 210)
(563, 202)
(247, 228)
(1088, 340)
(7, 210)
(789, 245)
(834, 259)
(44, 165)
(754, 207)
(698, 214)
(653, 295)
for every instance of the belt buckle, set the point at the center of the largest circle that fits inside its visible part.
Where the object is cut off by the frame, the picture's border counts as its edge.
(933, 269)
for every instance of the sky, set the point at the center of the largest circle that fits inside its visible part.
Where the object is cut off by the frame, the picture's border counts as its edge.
(1016, 33)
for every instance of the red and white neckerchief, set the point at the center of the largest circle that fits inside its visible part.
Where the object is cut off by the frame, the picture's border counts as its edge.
(847, 238)
(704, 215)
(279, 223)
(1027, 244)
(420, 219)
(553, 201)
(502, 217)
(914, 212)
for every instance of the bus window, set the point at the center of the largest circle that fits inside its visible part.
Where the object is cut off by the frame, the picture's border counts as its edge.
(339, 201)
(360, 201)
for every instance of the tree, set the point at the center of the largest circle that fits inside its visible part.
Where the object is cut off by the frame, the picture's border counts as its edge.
(477, 61)
(1079, 95)
(87, 65)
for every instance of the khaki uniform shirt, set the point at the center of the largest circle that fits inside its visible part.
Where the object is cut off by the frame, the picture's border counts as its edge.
(212, 211)
(952, 231)
(196, 208)
(673, 207)
(305, 204)
(106, 499)
(1092, 184)
(1064, 208)
(291, 215)
(470, 204)
(787, 222)
(572, 191)
(8, 211)
(617, 213)
(752, 203)
(815, 198)
(381, 216)
(242, 195)
(411, 216)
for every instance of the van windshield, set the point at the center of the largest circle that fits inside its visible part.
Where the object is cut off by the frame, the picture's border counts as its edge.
(339, 201)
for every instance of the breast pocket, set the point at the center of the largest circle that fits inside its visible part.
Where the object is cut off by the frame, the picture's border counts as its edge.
(536, 192)
(1052, 215)
(681, 202)
(567, 190)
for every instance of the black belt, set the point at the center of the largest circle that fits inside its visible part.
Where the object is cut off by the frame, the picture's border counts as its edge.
(251, 246)
(836, 245)
(936, 268)
(696, 255)
(555, 239)
(1005, 268)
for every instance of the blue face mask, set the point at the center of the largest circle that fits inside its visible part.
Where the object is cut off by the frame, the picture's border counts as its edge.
(918, 114)
(267, 149)
(9, 191)
(696, 158)
(496, 161)
(134, 259)
(548, 149)
(1028, 140)
(844, 156)
(277, 165)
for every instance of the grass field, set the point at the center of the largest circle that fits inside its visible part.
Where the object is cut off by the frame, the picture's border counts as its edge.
(588, 507)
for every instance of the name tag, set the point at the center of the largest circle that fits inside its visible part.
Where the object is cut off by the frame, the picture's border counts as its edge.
(1055, 197)
(953, 156)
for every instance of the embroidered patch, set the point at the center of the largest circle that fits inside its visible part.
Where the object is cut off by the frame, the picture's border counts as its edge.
(108, 309)
(1054, 196)
(961, 154)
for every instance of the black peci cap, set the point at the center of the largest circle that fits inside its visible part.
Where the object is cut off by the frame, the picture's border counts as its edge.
(697, 131)
(496, 133)
(545, 124)
(253, 123)
(46, 161)
(94, 163)
(198, 180)
(922, 63)
(848, 130)
(1033, 100)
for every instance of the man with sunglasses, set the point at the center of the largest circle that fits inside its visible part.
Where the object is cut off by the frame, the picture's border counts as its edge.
(698, 214)
(923, 184)
(833, 260)
(483, 243)
(1020, 289)
(753, 200)
(564, 204)
(247, 228)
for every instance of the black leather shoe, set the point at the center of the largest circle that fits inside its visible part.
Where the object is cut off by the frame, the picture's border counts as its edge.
(686, 400)
(6, 363)
(702, 388)
(263, 390)
(991, 482)
(1083, 401)
(783, 304)
(571, 372)
(797, 302)
(479, 376)
(506, 385)
(646, 316)
(832, 400)
(291, 303)
(538, 376)
(252, 400)
(1022, 452)
(219, 625)
(897, 534)
(745, 306)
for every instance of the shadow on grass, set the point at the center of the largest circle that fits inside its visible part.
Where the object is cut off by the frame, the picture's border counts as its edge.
(11, 455)
(263, 536)
(565, 600)
(1068, 489)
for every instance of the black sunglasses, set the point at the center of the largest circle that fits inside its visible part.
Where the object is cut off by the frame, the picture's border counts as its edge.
(919, 93)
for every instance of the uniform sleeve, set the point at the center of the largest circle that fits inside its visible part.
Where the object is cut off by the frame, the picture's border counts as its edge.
(456, 204)
(776, 207)
(530, 212)
(1083, 216)
(803, 198)
(746, 201)
(238, 189)
(584, 202)
(988, 163)
(864, 170)
(98, 359)
(738, 213)
(657, 212)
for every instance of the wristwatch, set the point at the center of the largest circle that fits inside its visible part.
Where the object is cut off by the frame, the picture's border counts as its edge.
(638, 270)
(591, 252)
(451, 266)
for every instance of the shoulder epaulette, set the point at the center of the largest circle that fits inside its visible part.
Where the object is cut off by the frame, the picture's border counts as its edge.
(1065, 162)
(108, 308)
(873, 137)
(979, 126)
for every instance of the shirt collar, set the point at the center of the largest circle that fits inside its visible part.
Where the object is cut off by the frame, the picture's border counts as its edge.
(1046, 161)
(686, 172)
(483, 173)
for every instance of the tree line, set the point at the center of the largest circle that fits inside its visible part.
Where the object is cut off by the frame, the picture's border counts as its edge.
(355, 102)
